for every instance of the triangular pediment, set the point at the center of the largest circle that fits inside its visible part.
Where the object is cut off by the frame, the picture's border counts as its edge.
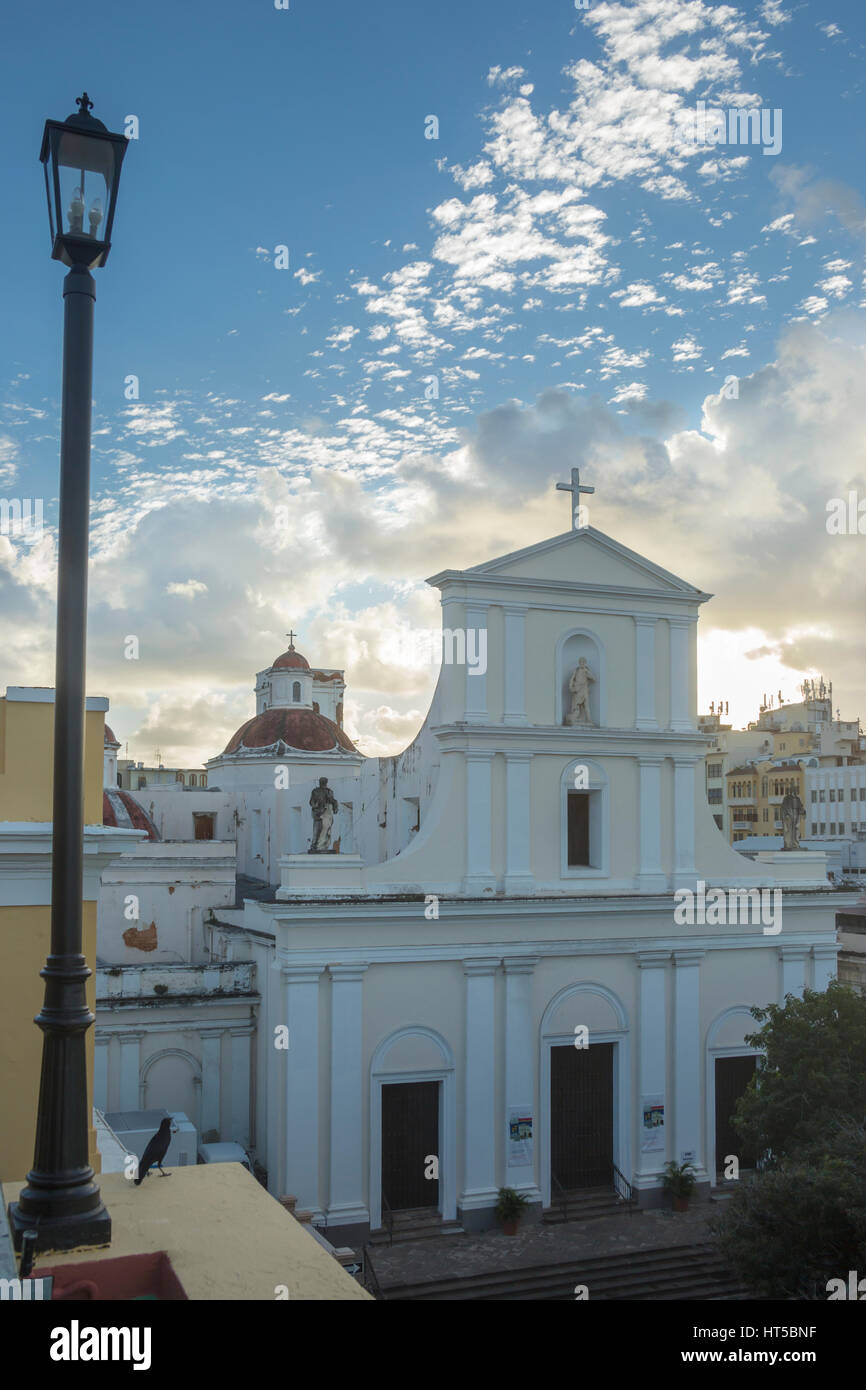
(586, 557)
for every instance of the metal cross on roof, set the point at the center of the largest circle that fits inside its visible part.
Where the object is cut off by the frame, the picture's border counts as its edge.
(575, 488)
(291, 636)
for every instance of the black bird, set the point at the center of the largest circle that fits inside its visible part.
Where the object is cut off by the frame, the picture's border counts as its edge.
(156, 1150)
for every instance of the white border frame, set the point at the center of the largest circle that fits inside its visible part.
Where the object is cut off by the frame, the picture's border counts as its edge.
(712, 1053)
(380, 1077)
(620, 1036)
(598, 783)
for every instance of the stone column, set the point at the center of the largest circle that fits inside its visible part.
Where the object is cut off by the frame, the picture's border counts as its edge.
(793, 962)
(684, 871)
(211, 1050)
(240, 1122)
(825, 966)
(476, 682)
(130, 1071)
(520, 1068)
(347, 1203)
(687, 1058)
(301, 984)
(518, 860)
(514, 711)
(479, 1128)
(479, 872)
(645, 672)
(680, 675)
(652, 1054)
(650, 878)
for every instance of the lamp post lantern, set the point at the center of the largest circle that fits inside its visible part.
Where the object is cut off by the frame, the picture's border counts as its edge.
(61, 1201)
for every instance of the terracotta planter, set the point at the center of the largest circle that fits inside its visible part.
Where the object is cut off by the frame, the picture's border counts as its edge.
(681, 1203)
(509, 1228)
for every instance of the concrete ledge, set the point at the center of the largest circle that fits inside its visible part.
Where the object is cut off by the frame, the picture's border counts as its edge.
(225, 1236)
(320, 875)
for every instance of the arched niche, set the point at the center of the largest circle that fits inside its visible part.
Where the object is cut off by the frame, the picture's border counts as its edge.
(572, 645)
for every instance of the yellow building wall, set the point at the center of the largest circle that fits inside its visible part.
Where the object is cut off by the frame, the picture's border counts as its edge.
(26, 767)
(27, 761)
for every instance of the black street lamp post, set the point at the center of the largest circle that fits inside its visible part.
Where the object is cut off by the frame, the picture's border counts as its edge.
(61, 1200)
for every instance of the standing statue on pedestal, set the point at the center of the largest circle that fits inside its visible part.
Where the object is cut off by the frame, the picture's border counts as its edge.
(792, 809)
(579, 685)
(323, 804)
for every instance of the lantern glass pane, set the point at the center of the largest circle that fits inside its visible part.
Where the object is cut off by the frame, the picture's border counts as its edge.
(85, 166)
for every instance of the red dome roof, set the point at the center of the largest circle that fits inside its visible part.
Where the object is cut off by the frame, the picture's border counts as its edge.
(120, 809)
(109, 736)
(297, 730)
(293, 659)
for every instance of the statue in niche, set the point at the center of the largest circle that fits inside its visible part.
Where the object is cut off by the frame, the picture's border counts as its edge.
(323, 804)
(792, 809)
(581, 678)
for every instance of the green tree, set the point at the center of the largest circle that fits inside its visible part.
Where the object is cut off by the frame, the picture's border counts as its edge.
(788, 1231)
(811, 1078)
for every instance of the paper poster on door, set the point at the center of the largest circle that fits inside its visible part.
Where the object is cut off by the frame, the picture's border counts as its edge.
(519, 1138)
(653, 1127)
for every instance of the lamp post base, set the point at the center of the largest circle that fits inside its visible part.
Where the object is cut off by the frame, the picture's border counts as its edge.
(87, 1228)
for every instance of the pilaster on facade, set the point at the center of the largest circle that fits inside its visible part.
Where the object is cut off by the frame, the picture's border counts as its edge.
(301, 1059)
(130, 1070)
(652, 1117)
(793, 971)
(518, 823)
(479, 869)
(519, 1068)
(682, 720)
(687, 1053)
(346, 1204)
(476, 678)
(685, 871)
(240, 1095)
(824, 965)
(645, 672)
(514, 662)
(211, 1056)
(479, 1128)
(651, 877)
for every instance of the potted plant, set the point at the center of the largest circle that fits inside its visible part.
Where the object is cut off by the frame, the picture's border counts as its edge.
(510, 1208)
(679, 1180)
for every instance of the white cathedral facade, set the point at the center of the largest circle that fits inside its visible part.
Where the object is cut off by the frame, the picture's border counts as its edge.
(487, 969)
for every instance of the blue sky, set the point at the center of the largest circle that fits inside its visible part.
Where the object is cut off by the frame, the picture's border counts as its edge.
(580, 282)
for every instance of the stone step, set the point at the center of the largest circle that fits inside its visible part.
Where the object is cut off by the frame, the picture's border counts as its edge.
(405, 1231)
(679, 1272)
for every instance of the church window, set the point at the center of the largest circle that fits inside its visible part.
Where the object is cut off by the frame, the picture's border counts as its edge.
(578, 829)
(178, 777)
(203, 825)
(296, 691)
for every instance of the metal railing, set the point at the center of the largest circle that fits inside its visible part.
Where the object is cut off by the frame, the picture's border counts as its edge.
(572, 1201)
(388, 1219)
(371, 1283)
(624, 1189)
